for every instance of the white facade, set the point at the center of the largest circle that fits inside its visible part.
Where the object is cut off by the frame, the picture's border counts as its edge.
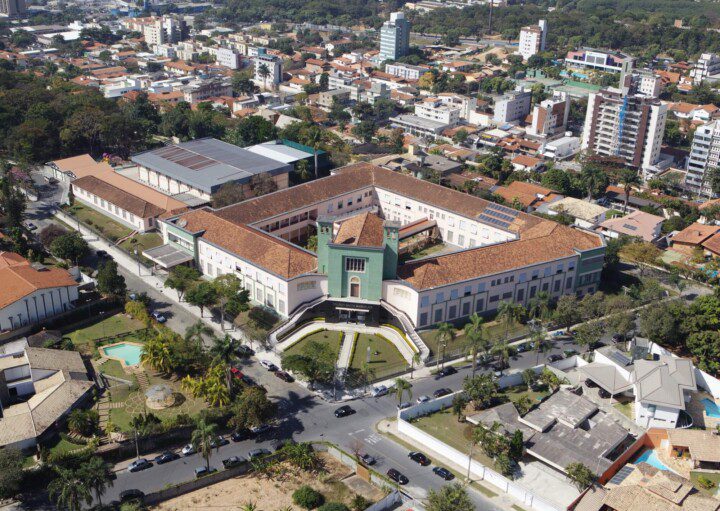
(169, 185)
(561, 148)
(532, 39)
(406, 71)
(704, 155)
(708, 65)
(438, 111)
(113, 211)
(394, 37)
(550, 117)
(512, 107)
(227, 57)
(38, 306)
(274, 66)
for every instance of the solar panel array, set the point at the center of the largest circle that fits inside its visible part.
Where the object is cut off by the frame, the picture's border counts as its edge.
(496, 214)
(622, 474)
(620, 358)
(188, 159)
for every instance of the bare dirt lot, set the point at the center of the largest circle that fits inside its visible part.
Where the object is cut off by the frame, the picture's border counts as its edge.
(271, 493)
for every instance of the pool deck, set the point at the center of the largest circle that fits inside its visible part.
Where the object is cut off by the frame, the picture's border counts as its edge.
(104, 356)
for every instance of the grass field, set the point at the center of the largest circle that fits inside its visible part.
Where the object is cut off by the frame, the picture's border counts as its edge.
(60, 445)
(514, 394)
(84, 338)
(328, 337)
(384, 356)
(494, 331)
(142, 242)
(106, 225)
(114, 368)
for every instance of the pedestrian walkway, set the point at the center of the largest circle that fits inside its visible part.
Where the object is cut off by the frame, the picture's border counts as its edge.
(103, 407)
(142, 378)
(346, 350)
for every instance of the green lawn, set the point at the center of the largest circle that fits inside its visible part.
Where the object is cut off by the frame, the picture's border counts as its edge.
(114, 368)
(427, 251)
(514, 394)
(384, 356)
(626, 409)
(111, 326)
(60, 445)
(106, 225)
(445, 427)
(142, 242)
(713, 476)
(494, 330)
(328, 337)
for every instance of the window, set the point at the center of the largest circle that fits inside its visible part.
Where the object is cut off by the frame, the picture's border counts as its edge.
(467, 291)
(494, 298)
(302, 286)
(545, 286)
(520, 295)
(438, 315)
(440, 297)
(481, 287)
(466, 309)
(568, 283)
(556, 287)
(453, 294)
(403, 293)
(547, 271)
(424, 301)
(479, 305)
(340, 205)
(507, 295)
(532, 292)
(452, 312)
(461, 239)
(423, 319)
(355, 264)
(355, 287)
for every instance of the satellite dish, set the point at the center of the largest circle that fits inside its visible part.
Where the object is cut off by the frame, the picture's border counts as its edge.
(182, 222)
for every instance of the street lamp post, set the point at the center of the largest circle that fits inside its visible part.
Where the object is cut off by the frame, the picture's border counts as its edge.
(137, 258)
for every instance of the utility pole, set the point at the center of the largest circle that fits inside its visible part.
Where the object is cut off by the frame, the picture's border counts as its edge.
(472, 445)
(137, 258)
(492, 4)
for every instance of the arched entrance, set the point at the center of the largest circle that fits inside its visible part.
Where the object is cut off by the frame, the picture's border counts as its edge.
(355, 287)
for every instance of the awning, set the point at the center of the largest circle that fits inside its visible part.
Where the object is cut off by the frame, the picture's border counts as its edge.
(416, 228)
(167, 256)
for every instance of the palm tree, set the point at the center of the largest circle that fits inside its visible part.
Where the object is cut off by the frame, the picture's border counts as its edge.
(628, 178)
(539, 307)
(445, 333)
(475, 340)
(413, 362)
(223, 352)
(96, 474)
(542, 345)
(202, 439)
(314, 139)
(156, 353)
(264, 72)
(401, 387)
(197, 333)
(69, 490)
(510, 314)
(138, 425)
(504, 351)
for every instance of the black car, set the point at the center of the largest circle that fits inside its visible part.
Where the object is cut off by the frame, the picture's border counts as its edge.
(444, 473)
(284, 376)
(166, 457)
(240, 435)
(131, 494)
(441, 392)
(554, 358)
(232, 461)
(591, 384)
(367, 459)
(604, 393)
(396, 476)
(259, 430)
(618, 338)
(218, 442)
(247, 380)
(419, 458)
(446, 371)
(344, 411)
(245, 351)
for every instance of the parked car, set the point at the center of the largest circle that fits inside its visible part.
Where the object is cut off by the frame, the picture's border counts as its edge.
(444, 473)
(31, 226)
(419, 458)
(188, 450)
(344, 411)
(203, 471)
(397, 476)
(554, 358)
(259, 430)
(367, 459)
(247, 380)
(618, 338)
(604, 393)
(446, 371)
(284, 376)
(102, 253)
(138, 465)
(442, 392)
(232, 461)
(244, 351)
(166, 457)
(590, 384)
(158, 316)
(219, 441)
(404, 404)
(237, 373)
(423, 399)
(522, 348)
(258, 453)
(131, 494)
(379, 391)
(240, 435)
(268, 365)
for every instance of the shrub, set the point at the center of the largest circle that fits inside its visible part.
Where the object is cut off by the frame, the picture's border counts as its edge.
(307, 497)
(360, 503)
(705, 483)
(334, 506)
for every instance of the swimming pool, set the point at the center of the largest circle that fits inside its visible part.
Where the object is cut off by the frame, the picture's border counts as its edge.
(650, 457)
(126, 352)
(711, 408)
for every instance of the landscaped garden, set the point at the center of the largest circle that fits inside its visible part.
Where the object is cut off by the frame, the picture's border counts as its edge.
(85, 339)
(105, 225)
(494, 330)
(330, 338)
(384, 356)
(706, 482)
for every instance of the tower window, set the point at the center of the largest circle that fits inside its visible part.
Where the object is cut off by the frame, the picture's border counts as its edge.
(355, 264)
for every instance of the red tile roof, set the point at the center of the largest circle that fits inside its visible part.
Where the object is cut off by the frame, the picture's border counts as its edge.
(19, 279)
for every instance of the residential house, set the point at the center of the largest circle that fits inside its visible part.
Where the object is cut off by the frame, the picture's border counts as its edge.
(637, 224)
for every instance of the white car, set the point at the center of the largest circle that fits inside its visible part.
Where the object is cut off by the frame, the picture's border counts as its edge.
(380, 390)
(268, 365)
(188, 450)
(423, 399)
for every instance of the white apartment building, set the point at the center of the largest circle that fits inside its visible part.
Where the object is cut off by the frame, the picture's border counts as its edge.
(648, 83)
(621, 123)
(227, 57)
(704, 155)
(406, 71)
(165, 29)
(273, 65)
(512, 107)
(434, 109)
(707, 67)
(549, 118)
(532, 39)
(394, 37)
